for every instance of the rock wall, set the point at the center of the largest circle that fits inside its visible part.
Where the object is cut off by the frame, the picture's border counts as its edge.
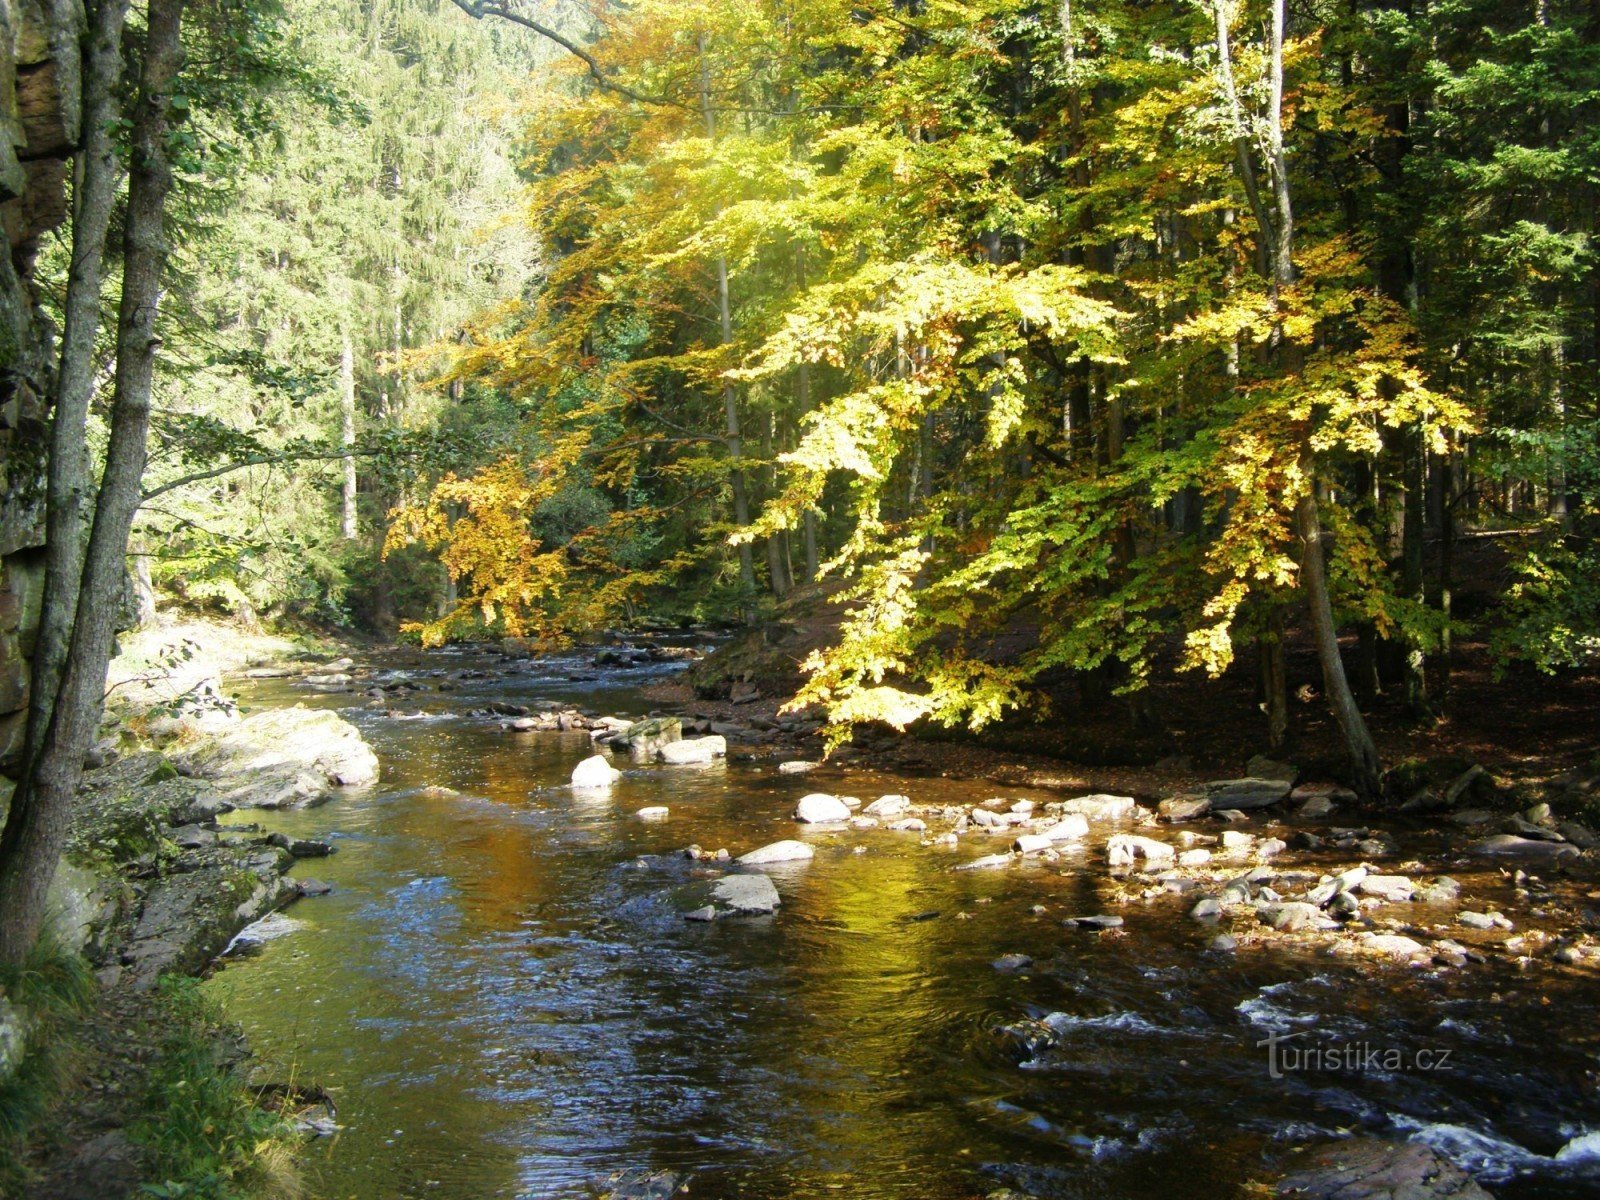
(40, 103)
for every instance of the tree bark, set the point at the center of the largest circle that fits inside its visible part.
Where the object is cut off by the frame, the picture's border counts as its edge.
(347, 412)
(96, 175)
(41, 807)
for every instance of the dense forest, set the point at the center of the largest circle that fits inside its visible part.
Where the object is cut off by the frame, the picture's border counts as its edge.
(1016, 351)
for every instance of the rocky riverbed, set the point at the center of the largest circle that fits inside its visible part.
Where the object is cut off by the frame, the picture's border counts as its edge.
(1209, 914)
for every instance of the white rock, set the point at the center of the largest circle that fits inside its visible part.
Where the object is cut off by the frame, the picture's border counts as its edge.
(888, 806)
(594, 772)
(1123, 849)
(748, 894)
(691, 751)
(788, 850)
(1069, 829)
(1194, 858)
(796, 766)
(655, 812)
(1031, 843)
(819, 808)
(1101, 807)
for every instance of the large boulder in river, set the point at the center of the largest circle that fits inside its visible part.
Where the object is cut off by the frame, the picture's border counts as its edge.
(594, 772)
(1370, 1169)
(691, 751)
(281, 758)
(785, 851)
(750, 895)
(644, 738)
(819, 808)
(1246, 793)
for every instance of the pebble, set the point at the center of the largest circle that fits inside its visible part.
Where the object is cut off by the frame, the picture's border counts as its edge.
(1012, 962)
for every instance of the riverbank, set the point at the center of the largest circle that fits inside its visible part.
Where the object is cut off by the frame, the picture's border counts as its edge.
(152, 1087)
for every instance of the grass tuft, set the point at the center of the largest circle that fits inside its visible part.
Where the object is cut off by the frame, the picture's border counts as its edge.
(207, 1137)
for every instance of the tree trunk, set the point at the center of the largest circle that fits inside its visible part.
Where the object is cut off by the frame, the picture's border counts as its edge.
(1412, 530)
(347, 411)
(730, 398)
(37, 825)
(96, 175)
(1358, 742)
(1274, 681)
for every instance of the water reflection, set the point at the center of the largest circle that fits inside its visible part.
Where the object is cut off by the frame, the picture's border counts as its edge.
(506, 1004)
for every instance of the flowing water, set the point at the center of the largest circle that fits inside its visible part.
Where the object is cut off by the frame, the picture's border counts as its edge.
(504, 1002)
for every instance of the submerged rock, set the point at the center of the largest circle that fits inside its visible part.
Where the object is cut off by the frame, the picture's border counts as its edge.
(1507, 845)
(1370, 1169)
(745, 894)
(637, 1183)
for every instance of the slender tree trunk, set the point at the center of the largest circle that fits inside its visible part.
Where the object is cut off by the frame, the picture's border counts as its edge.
(96, 175)
(42, 805)
(347, 411)
(1413, 675)
(1363, 754)
(730, 398)
(1274, 680)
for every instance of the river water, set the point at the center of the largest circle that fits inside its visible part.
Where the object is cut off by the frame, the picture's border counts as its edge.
(504, 1002)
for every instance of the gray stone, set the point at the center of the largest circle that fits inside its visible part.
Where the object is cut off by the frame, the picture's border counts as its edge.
(796, 766)
(653, 812)
(888, 806)
(644, 738)
(1124, 848)
(703, 913)
(1206, 909)
(1475, 920)
(1012, 962)
(909, 825)
(1396, 889)
(693, 751)
(1223, 944)
(1101, 807)
(1032, 843)
(1183, 808)
(281, 758)
(1506, 845)
(1441, 890)
(1246, 794)
(1370, 1169)
(786, 851)
(819, 808)
(1392, 945)
(747, 895)
(1294, 916)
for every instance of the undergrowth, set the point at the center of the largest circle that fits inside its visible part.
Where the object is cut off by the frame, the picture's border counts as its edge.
(47, 994)
(207, 1138)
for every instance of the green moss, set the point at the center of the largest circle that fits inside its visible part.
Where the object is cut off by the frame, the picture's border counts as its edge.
(120, 831)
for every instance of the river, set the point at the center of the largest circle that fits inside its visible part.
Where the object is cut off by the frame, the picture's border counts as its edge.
(504, 1002)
